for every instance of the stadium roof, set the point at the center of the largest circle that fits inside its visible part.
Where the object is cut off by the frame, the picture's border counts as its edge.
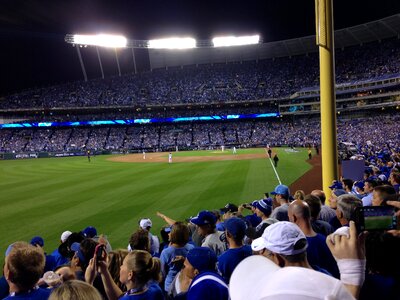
(372, 31)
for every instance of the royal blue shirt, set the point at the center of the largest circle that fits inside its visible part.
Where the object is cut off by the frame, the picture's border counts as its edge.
(153, 292)
(34, 294)
(228, 261)
(318, 254)
(208, 286)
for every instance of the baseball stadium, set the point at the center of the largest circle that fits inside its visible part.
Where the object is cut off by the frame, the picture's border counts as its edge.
(202, 159)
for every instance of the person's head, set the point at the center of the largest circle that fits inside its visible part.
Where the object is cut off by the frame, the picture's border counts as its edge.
(205, 222)
(65, 272)
(333, 198)
(228, 210)
(369, 185)
(145, 224)
(336, 185)
(75, 289)
(359, 187)
(235, 229)
(299, 195)
(282, 193)
(138, 268)
(394, 178)
(264, 208)
(314, 204)
(284, 243)
(37, 241)
(89, 232)
(83, 252)
(24, 266)
(198, 260)
(259, 278)
(115, 260)
(179, 234)
(64, 236)
(347, 184)
(140, 240)
(346, 207)
(299, 213)
(381, 194)
(320, 194)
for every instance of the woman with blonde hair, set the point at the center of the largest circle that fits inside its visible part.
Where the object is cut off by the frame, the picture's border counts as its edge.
(75, 289)
(140, 273)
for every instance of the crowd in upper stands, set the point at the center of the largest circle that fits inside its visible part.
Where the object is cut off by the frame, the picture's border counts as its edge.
(278, 247)
(218, 83)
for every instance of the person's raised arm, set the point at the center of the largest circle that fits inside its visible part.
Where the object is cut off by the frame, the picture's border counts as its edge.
(168, 220)
(349, 252)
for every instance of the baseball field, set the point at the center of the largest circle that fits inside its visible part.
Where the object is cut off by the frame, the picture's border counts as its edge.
(48, 196)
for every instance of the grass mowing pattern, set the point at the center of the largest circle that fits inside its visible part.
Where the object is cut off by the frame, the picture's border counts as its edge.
(47, 196)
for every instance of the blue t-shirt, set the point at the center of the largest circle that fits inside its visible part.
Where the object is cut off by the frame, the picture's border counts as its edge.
(208, 286)
(169, 269)
(4, 288)
(34, 294)
(60, 260)
(318, 254)
(228, 261)
(153, 292)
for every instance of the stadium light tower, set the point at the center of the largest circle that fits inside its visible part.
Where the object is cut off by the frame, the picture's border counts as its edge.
(99, 40)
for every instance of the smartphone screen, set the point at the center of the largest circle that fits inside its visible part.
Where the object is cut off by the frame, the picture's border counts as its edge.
(378, 218)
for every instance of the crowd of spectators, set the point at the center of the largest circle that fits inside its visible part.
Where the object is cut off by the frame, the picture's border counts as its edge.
(217, 83)
(373, 136)
(278, 247)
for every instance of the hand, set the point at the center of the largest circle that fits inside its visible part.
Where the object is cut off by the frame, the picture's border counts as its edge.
(90, 273)
(343, 247)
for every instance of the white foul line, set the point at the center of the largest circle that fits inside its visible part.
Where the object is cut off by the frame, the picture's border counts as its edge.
(273, 167)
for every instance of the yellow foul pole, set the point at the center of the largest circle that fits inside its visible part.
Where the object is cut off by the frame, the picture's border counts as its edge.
(325, 37)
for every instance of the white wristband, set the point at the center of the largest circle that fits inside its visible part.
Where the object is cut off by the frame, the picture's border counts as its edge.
(352, 271)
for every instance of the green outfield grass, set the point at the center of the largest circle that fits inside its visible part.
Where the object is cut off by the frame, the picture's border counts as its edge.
(48, 196)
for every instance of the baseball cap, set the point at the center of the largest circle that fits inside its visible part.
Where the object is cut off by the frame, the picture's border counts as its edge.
(281, 238)
(265, 205)
(202, 259)
(204, 217)
(65, 235)
(359, 184)
(336, 185)
(236, 227)
(89, 232)
(339, 192)
(76, 247)
(229, 208)
(144, 223)
(256, 277)
(9, 248)
(37, 241)
(281, 190)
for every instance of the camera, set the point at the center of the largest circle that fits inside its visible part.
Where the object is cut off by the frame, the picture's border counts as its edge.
(372, 218)
(100, 252)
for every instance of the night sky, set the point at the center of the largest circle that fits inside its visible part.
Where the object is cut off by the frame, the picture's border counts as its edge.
(34, 53)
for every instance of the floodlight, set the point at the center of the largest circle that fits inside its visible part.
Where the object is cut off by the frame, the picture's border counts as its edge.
(235, 41)
(102, 40)
(172, 43)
